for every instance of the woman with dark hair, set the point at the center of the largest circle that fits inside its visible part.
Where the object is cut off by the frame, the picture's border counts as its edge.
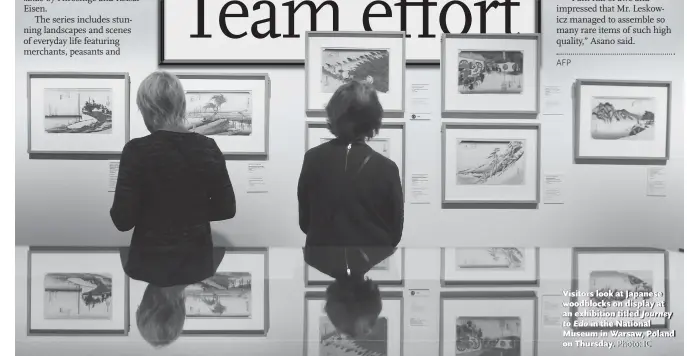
(350, 197)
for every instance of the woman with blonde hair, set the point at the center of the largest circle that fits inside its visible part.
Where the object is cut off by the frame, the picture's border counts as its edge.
(171, 185)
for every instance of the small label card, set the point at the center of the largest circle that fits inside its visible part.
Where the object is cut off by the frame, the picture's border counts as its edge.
(114, 173)
(256, 178)
(656, 182)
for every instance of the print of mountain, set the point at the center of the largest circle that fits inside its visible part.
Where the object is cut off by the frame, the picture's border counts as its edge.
(499, 162)
(608, 114)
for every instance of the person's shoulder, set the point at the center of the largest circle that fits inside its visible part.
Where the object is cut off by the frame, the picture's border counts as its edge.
(384, 162)
(317, 150)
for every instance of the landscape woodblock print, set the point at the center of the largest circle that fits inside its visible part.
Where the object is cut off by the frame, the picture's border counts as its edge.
(488, 336)
(224, 295)
(334, 344)
(623, 118)
(340, 66)
(381, 145)
(226, 113)
(602, 282)
(78, 111)
(490, 162)
(77, 296)
(485, 72)
(492, 258)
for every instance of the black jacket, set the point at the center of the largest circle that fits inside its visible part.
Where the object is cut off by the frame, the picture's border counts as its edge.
(333, 261)
(170, 186)
(343, 202)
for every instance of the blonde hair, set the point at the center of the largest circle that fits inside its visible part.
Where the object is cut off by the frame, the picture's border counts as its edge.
(160, 317)
(161, 100)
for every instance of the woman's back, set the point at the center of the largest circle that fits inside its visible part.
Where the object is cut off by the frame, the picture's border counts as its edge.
(350, 197)
(173, 180)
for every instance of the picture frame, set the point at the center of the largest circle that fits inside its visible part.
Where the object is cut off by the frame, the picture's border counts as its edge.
(391, 138)
(68, 296)
(490, 266)
(595, 271)
(479, 69)
(488, 320)
(77, 113)
(466, 174)
(632, 124)
(242, 130)
(390, 272)
(376, 57)
(386, 335)
(238, 306)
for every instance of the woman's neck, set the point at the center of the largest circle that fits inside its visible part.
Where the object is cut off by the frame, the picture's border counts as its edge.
(173, 128)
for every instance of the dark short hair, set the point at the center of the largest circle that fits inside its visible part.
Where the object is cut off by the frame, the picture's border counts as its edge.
(160, 317)
(354, 111)
(348, 301)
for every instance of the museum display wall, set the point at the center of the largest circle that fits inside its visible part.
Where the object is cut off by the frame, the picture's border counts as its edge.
(63, 199)
(415, 323)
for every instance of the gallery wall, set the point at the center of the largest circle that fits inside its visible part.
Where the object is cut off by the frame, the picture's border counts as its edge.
(286, 312)
(66, 201)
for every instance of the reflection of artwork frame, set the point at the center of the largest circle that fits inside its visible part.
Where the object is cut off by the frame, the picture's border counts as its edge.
(490, 75)
(239, 264)
(244, 121)
(392, 314)
(395, 133)
(77, 113)
(79, 300)
(620, 269)
(511, 305)
(522, 268)
(382, 64)
(390, 273)
(507, 175)
(622, 120)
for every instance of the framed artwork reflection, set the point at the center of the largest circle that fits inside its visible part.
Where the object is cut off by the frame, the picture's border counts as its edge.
(77, 291)
(77, 112)
(490, 163)
(335, 58)
(235, 301)
(231, 108)
(488, 323)
(490, 266)
(385, 338)
(389, 272)
(622, 120)
(496, 74)
(621, 288)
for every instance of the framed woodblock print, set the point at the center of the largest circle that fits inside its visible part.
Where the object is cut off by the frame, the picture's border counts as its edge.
(490, 163)
(488, 323)
(77, 113)
(233, 109)
(336, 58)
(77, 292)
(622, 120)
(390, 141)
(490, 74)
(233, 301)
(322, 339)
(497, 266)
(620, 288)
(389, 272)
